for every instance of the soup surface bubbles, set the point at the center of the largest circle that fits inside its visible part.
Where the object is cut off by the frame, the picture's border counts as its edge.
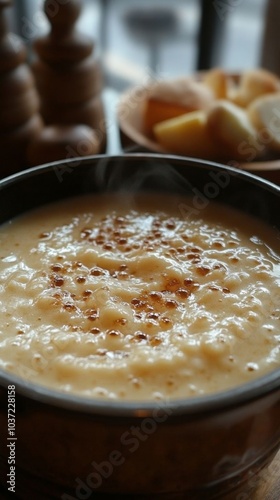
(131, 298)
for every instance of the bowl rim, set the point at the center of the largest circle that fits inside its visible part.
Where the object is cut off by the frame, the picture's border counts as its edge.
(74, 163)
(262, 386)
(244, 394)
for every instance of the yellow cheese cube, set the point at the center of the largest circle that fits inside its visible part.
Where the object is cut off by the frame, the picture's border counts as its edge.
(187, 135)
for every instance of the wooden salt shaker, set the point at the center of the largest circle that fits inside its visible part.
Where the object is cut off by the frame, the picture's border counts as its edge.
(67, 73)
(19, 102)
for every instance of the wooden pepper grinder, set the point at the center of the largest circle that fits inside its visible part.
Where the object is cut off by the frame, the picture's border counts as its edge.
(19, 102)
(67, 73)
(69, 81)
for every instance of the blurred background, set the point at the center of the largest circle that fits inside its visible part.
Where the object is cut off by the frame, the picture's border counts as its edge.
(159, 36)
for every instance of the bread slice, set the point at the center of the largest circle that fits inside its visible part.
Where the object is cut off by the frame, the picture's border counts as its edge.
(218, 81)
(229, 125)
(254, 83)
(264, 114)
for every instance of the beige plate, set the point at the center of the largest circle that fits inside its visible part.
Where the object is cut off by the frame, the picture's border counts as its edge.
(130, 119)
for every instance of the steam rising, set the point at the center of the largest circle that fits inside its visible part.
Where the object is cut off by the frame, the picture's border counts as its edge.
(200, 183)
(139, 175)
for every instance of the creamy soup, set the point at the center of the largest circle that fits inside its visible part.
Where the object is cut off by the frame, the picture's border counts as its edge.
(115, 297)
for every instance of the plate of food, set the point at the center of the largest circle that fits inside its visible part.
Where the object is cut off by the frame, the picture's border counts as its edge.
(214, 115)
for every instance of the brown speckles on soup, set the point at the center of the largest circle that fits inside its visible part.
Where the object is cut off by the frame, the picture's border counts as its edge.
(118, 299)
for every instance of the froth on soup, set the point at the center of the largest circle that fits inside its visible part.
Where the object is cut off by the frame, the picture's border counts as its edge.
(114, 297)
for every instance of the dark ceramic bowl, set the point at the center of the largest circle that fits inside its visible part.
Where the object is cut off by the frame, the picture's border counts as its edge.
(69, 447)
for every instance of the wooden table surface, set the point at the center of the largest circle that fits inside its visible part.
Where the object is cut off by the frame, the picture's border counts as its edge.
(264, 486)
(269, 482)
